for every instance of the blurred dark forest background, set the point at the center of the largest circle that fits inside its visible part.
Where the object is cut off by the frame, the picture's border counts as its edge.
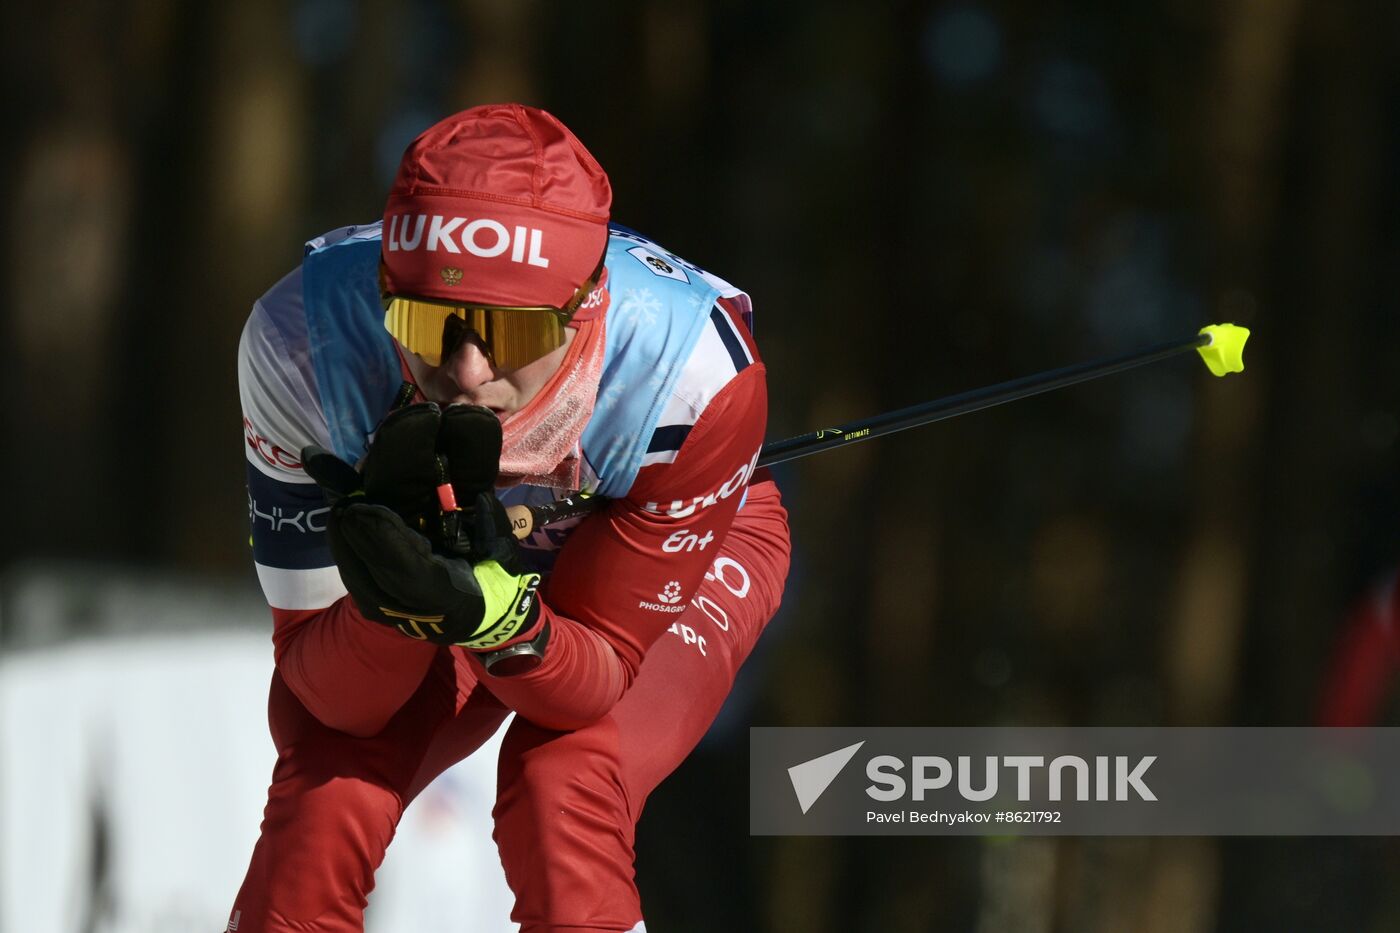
(922, 198)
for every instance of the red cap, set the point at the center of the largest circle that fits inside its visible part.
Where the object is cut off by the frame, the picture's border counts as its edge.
(496, 205)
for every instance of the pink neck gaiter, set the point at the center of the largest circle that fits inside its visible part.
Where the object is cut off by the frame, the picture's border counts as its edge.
(541, 440)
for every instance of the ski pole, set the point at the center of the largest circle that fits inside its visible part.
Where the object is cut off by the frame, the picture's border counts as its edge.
(1221, 346)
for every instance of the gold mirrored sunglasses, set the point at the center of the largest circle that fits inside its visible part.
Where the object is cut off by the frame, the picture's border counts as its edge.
(511, 336)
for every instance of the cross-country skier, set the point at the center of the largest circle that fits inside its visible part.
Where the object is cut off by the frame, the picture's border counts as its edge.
(546, 352)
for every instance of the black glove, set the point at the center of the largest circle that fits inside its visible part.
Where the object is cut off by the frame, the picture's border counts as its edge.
(470, 589)
(401, 470)
(469, 451)
(397, 579)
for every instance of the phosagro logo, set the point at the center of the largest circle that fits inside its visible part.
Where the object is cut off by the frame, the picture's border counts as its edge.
(670, 597)
(1102, 778)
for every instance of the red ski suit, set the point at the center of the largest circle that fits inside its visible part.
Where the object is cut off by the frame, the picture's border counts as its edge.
(364, 718)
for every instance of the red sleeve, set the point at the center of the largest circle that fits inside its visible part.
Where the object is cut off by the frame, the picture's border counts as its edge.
(625, 574)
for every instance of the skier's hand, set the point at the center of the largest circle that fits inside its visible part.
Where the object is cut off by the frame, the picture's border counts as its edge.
(409, 556)
(422, 463)
(397, 579)
(401, 469)
(469, 448)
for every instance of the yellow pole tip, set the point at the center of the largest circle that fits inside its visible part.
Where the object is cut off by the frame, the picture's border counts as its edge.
(1225, 352)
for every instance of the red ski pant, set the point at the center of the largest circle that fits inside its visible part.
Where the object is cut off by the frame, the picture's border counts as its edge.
(567, 802)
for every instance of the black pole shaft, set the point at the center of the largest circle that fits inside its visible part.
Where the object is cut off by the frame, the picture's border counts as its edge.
(912, 417)
(975, 400)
